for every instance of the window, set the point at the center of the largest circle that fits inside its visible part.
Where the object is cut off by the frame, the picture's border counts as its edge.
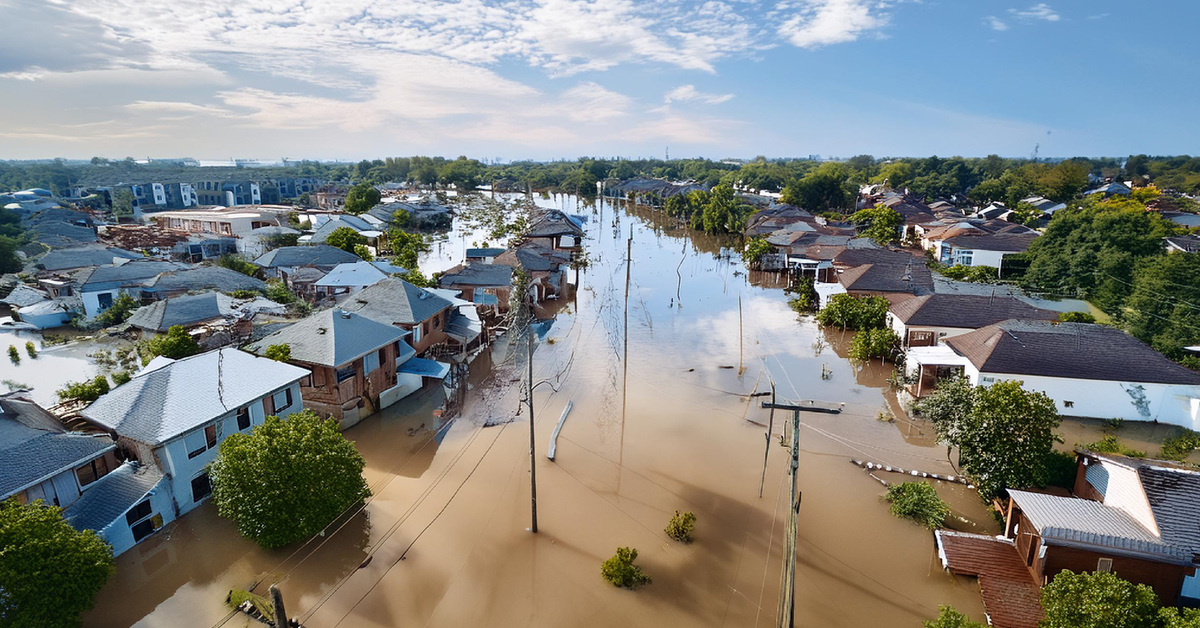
(210, 436)
(243, 418)
(137, 513)
(370, 362)
(92, 471)
(195, 444)
(200, 487)
(1104, 565)
(282, 400)
(417, 329)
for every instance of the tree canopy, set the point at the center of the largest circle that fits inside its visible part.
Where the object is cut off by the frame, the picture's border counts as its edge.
(287, 479)
(175, 344)
(361, 198)
(882, 224)
(345, 239)
(49, 571)
(1098, 600)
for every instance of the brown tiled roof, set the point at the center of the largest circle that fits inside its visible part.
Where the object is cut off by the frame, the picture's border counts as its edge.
(1010, 594)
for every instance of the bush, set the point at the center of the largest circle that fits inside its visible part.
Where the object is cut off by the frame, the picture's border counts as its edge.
(755, 249)
(363, 252)
(1111, 445)
(121, 377)
(1098, 600)
(1076, 317)
(681, 525)
(974, 274)
(918, 501)
(279, 353)
(806, 299)
(234, 262)
(14, 355)
(345, 239)
(30, 349)
(851, 312)
(86, 390)
(874, 343)
(1180, 445)
(621, 572)
(278, 292)
(121, 309)
(1059, 470)
(244, 294)
(950, 618)
(175, 344)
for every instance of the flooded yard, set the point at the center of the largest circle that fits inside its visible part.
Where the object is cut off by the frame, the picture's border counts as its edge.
(662, 420)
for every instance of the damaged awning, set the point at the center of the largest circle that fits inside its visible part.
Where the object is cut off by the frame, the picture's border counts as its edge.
(464, 325)
(425, 368)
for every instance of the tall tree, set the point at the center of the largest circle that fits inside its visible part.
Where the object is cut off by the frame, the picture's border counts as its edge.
(1098, 600)
(361, 198)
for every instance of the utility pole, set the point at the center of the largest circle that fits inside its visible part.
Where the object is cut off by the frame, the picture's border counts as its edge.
(787, 601)
(281, 618)
(532, 466)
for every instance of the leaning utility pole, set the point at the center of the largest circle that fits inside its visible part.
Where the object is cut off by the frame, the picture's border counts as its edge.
(787, 601)
(532, 465)
(281, 618)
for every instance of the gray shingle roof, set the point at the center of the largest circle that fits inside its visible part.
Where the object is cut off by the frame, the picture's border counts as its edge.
(965, 311)
(185, 310)
(552, 222)
(396, 302)
(1188, 243)
(1074, 350)
(32, 455)
(490, 252)
(337, 222)
(358, 273)
(159, 405)
(478, 276)
(331, 338)
(315, 255)
(129, 273)
(81, 256)
(912, 278)
(1003, 242)
(1174, 496)
(23, 295)
(205, 278)
(1083, 522)
(111, 496)
(533, 257)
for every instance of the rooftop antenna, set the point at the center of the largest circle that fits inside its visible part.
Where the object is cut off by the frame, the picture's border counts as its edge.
(1036, 147)
(668, 154)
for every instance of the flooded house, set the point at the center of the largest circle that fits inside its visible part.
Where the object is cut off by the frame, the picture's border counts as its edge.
(894, 275)
(42, 309)
(280, 263)
(213, 318)
(555, 230)
(351, 278)
(1090, 371)
(351, 363)
(100, 286)
(925, 320)
(546, 268)
(488, 286)
(174, 414)
(372, 230)
(197, 279)
(401, 304)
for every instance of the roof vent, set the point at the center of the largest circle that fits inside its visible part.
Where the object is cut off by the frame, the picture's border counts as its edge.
(343, 313)
(321, 330)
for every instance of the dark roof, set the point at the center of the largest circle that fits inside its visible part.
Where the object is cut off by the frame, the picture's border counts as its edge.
(1074, 350)
(1174, 496)
(966, 311)
(32, 455)
(1005, 242)
(492, 252)
(337, 222)
(396, 302)
(477, 276)
(1011, 598)
(913, 279)
(315, 255)
(1188, 243)
(185, 310)
(108, 499)
(205, 278)
(130, 273)
(533, 257)
(80, 256)
(860, 256)
(552, 222)
(331, 338)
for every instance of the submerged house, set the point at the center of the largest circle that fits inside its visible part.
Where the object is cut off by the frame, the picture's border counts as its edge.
(486, 285)
(399, 303)
(174, 413)
(925, 320)
(1090, 371)
(351, 363)
(347, 279)
(285, 260)
(545, 267)
(556, 230)
(100, 286)
(217, 319)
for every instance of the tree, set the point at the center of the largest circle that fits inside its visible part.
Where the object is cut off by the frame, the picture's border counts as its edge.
(363, 252)
(755, 249)
(279, 353)
(241, 265)
(880, 342)
(950, 618)
(820, 190)
(681, 525)
(1004, 433)
(87, 390)
(1163, 309)
(175, 344)
(851, 312)
(621, 572)
(9, 261)
(722, 212)
(122, 203)
(345, 238)
(882, 224)
(121, 309)
(464, 174)
(1098, 600)
(287, 479)
(918, 501)
(50, 571)
(1076, 317)
(278, 292)
(361, 198)
(895, 175)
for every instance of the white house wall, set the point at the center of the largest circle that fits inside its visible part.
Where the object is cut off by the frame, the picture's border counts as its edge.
(939, 333)
(120, 535)
(1125, 491)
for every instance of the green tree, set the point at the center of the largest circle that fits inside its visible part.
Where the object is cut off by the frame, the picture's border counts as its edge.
(819, 191)
(895, 175)
(950, 618)
(882, 224)
(121, 309)
(621, 572)
(463, 173)
(240, 264)
(363, 252)
(87, 390)
(755, 249)
(681, 525)
(918, 501)
(49, 571)
(1163, 308)
(345, 239)
(880, 342)
(722, 212)
(287, 479)
(122, 203)
(9, 261)
(361, 198)
(175, 344)
(279, 353)
(851, 312)
(1098, 600)
(278, 292)
(1076, 317)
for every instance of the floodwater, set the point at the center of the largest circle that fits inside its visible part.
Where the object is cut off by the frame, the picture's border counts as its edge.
(661, 421)
(53, 367)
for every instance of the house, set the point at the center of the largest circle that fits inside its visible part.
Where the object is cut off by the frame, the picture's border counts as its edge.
(555, 230)
(362, 227)
(895, 275)
(347, 279)
(463, 324)
(214, 310)
(83, 256)
(1183, 219)
(199, 278)
(49, 313)
(483, 256)
(925, 320)
(547, 277)
(1183, 244)
(1090, 371)
(174, 413)
(485, 285)
(127, 505)
(99, 286)
(283, 261)
(1044, 205)
(226, 221)
(982, 249)
(1111, 189)
(1011, 596)
(259, 241)
(351, 360)
(399, 303)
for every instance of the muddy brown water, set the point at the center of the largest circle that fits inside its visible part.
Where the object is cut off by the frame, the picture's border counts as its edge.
(444, 540)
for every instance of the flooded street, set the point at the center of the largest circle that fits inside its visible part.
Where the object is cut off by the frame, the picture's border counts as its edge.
(444, 540)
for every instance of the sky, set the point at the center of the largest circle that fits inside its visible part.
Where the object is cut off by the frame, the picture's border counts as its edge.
(551, 79)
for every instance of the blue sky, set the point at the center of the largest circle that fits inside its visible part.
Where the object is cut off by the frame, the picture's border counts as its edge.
(545, 79)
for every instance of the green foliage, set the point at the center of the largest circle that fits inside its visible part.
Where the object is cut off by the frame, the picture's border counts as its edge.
(122, 203)
(1004, 433)
(1076, 317)
(278, 292)
(1110, 444)
(1180, 445)
(287, 479)
(882, 224)
(121, 309)
(363, 252)
(621, 572)
(880, 342)
(345, 239)
(280, 240)
(237, 597)
(9, 261)
(895, 175)
(1171, 617)
(175, 344)
(681, 525)
(1162, 308)
(754, 251)
(851, 312)
(244, 294)
(973, 274)
(85, 390)
(31, 349)
(417, 279)
(826, 188)
(13, 354)
(466, 174)
(237, 263)
(1098, 600)
(723, 212)
(50, 571)
(805, 299)
(361, 198)
(918, 501)
(121, 377)
(279, 353)
(950, 618)
(1059, 469)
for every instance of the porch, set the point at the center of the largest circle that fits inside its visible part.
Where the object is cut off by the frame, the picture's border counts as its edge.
(927, 366)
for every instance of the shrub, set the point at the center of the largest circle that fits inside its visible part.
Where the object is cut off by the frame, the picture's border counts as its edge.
(1111, 445)
(918, 501)
(279, 353)
(681, 525)
(244, 294)
(14, 355)
(278, 292)
(121, 309)
(806, 299)
(363, 252)
(1097, 600)
(345, 239)
(851, 312)
(755, 249)
(175, 344)
(948, 617)
(85, 390)
(621, 572)
(1076, 317)
(121, 377)
(236, 263)
(30, 349)
(1180, 445)
(874, 343)
(1059, 470)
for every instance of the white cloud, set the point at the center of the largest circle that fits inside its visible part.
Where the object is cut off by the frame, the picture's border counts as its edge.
(1040, 11)
(689, 93)
(816, 23)
(996, 23)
